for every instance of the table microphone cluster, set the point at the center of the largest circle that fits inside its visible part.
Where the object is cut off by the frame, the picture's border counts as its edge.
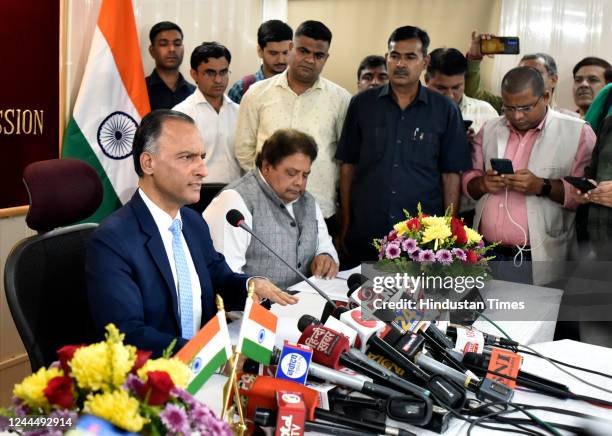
(351, 375)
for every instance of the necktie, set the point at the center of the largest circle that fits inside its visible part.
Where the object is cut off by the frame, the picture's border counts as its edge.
(184, 281)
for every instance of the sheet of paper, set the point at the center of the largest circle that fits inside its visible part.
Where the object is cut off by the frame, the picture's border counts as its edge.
(335, 288)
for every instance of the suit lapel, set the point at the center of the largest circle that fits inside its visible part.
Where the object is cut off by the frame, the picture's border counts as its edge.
(156, 249)
(199, 261)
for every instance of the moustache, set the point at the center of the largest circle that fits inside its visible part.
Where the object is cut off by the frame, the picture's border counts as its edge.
(400, 72)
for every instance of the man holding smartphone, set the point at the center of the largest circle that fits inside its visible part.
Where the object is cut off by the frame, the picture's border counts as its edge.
(542, 62)
(530, 212)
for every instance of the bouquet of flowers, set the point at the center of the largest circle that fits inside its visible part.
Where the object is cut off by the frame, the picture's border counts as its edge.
(433, 245)
(115, 382)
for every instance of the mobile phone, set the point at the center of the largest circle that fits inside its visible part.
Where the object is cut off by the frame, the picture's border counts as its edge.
(500, 45)
(467, 124)
(581, 183)
(502, 166)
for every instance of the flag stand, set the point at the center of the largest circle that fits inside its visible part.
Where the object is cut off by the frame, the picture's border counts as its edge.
(238, 427)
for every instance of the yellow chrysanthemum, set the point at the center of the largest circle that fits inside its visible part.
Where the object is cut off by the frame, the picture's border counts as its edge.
(436, 232)
(176, 369)
(104, 365)
(117, 407)
(31, 389)
(401, 228)
(434, 221)
(473, 236)
(91, 368)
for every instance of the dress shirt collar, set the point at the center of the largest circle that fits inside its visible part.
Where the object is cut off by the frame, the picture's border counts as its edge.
(200, 99)
(283, 82)
(386, 91)
(161, 217)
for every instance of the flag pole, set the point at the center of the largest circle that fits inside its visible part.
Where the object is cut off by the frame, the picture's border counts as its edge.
(239, 427)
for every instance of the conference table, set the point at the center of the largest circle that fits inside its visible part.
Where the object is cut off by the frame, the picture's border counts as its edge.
(537, 332)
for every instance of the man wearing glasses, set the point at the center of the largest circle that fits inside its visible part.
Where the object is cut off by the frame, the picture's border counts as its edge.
(214, 113)
(530, 212)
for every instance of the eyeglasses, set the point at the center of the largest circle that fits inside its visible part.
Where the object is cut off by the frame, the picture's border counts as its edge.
(211, 74)
(521, 109)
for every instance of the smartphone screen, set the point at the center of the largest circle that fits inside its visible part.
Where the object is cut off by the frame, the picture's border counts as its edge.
(500, 45)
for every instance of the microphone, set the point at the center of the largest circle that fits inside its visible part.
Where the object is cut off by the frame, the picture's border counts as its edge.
(354, 281)
(350, 381)
(332, 324)
(338, 424)
(260, 391)
(365, 328)
(291, 414)
(267, 417)
(361, 384)
(235, 218)
(294, 362)
(411, 345)
(481, 363)
(327, 345)
(445, 391)
(454, 333)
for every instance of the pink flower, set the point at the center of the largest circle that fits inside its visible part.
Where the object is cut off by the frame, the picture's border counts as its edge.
(409, 245)
(414, 256)
(459, 254)
(175, 419)
(393, 251)
(427, 256)
(444, 257)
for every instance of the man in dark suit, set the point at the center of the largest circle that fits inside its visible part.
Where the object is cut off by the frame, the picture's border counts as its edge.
(151, 266)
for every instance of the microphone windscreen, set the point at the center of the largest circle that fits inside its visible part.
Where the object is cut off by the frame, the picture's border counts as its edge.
(354, 281)
(260, 391)
(305, 321)
(475, 359)
(327, 345)
(234, 217)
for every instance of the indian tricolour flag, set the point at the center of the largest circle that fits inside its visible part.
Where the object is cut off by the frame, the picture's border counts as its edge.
(207, 351)
(112, 100)
(257, 332)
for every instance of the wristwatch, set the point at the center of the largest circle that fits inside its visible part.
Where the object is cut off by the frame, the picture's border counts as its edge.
(546, 188)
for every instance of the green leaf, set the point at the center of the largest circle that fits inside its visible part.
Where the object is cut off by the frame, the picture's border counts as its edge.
(168, 351)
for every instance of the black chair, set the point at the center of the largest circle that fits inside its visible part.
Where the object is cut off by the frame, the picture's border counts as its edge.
(44, 276)
(208, 191)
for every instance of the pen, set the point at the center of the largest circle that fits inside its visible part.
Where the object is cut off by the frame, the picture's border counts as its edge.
(415, 133)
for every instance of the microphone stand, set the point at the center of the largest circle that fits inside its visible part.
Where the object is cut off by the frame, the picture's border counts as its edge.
(246, 228)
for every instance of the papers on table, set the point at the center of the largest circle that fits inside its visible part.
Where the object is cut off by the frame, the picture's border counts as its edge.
(336, 288)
